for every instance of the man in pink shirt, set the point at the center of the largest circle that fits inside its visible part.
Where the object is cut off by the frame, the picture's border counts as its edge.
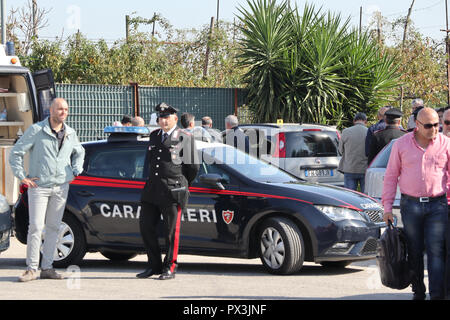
(419, 164)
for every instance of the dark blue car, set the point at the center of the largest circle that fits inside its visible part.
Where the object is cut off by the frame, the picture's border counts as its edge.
(239, 207)
(5, 223)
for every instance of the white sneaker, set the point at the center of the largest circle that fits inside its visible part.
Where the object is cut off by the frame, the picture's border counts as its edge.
(28, 275)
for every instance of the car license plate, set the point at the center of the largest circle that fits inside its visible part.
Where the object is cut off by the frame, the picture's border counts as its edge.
(319, 173)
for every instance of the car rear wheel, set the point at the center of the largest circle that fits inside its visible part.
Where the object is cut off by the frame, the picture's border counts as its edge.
(281, 246)
(70, 244)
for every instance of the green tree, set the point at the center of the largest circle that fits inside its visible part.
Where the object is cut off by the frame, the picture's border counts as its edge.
(176, 61)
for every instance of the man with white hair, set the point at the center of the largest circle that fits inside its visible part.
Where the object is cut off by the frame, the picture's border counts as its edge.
(416, 103)
(235, 136)
(446, 123)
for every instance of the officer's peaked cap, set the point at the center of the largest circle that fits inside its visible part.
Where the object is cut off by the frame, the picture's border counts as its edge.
(165, 110)
(394, 113)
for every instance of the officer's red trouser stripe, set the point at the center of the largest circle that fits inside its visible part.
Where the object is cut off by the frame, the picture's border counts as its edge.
(176, 242)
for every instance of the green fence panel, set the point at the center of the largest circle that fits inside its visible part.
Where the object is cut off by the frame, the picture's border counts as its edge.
(216, 103)
(93, 107)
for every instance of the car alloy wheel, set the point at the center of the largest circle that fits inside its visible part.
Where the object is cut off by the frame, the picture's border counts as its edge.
(64, 242)
(281, 247)
(272, 248)
(70, 243)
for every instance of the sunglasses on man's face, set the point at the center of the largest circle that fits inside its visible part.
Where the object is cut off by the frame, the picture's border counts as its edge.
(447, 122)
(429, 125)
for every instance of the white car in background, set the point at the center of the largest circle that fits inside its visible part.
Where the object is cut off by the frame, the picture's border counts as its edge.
(375, 176)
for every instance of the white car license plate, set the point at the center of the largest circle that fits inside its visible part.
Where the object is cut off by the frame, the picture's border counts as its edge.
(319, 173)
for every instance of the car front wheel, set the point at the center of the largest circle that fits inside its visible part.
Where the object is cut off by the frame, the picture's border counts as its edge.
(282, 249)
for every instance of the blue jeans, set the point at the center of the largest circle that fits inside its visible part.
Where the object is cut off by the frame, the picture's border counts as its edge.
(351, 181)
(425, 226)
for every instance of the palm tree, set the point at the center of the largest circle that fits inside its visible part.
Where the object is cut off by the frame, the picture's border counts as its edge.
(310, 67)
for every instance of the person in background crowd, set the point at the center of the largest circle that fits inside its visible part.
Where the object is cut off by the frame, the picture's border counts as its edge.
(446, 123)
(381, 138)
(416, 103)
(377, 126)
(419, 164)
(440, 112)
(354, 161)
(235, 136)
(188, 122)
(137, 122)
(207, 124)
(56, 158)
(126, 121)
(414, 116)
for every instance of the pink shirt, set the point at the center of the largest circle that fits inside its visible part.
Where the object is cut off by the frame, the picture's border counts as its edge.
(418, 172)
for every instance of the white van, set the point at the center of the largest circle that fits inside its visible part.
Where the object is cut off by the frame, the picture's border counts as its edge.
(25, 98)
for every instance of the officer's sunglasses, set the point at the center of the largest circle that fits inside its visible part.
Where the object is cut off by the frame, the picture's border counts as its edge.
(429, 125)
(447, 122)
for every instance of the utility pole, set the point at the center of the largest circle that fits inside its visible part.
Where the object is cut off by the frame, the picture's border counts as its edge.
(217, 17)
(153, 27)
(405, 33)
(34, 8)
(360, 20)
(3, 13)
(127, 27)
(205, 68)
(447, 46)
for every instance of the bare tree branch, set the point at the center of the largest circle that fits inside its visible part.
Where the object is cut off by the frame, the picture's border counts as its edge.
(24, 25)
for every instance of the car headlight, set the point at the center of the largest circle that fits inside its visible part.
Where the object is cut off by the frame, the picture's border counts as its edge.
(4, 206)
(340, 213)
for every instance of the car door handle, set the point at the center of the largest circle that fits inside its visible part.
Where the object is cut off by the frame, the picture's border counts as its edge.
(85, 193)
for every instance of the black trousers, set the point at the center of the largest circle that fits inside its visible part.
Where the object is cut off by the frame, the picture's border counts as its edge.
(148, 223)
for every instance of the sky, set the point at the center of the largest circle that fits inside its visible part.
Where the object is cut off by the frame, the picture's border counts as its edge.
(104, 19)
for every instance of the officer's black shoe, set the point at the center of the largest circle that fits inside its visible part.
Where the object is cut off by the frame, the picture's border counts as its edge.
(167, 275)
(419, 296)
(147, 273)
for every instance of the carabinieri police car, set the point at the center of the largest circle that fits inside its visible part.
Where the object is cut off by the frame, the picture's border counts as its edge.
(239, 207)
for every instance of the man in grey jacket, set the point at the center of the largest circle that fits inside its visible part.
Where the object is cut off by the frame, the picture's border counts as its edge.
(352, 147)
(56, 157)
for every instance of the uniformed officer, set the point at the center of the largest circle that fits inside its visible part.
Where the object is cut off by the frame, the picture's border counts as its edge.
(392, 131)
(173, 165)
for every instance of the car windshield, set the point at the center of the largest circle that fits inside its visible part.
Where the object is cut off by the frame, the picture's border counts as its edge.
(311, 144)
(382, 159)
(246, 165)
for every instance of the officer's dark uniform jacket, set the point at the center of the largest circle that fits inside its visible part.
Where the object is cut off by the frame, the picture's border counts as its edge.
(173, 165)
(382, 137)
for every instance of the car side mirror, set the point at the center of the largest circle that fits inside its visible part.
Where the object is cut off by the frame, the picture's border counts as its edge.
(213, 179)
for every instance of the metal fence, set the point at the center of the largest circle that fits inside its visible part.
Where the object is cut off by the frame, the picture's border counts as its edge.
(93, 107)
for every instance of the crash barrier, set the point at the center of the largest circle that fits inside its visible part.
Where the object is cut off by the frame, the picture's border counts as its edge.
(93, 107)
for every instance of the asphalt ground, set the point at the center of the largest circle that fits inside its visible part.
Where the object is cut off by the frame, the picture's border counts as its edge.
(198, 278)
